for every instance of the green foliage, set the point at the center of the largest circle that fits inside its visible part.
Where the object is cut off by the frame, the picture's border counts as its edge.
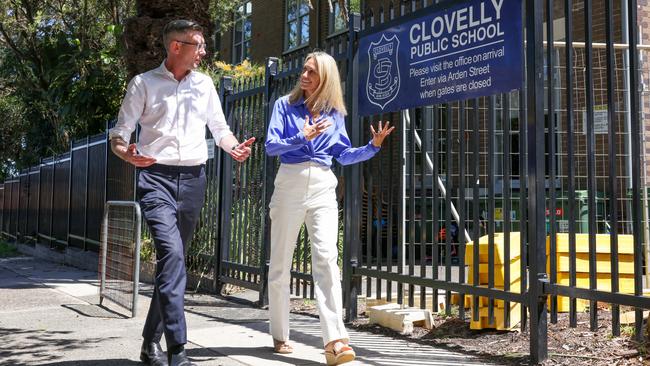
(245, 231)
(355, 6)
(7, 250)
(61, 74)
(15, 113)
(308, 302)
(627, 331)
(147, 250)
(221, 11)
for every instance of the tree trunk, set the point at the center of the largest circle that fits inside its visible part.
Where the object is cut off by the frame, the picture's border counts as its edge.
(143, 33)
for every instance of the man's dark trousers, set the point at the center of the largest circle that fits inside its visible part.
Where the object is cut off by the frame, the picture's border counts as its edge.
(170, 198)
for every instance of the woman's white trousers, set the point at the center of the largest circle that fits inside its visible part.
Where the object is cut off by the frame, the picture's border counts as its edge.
(305, 192)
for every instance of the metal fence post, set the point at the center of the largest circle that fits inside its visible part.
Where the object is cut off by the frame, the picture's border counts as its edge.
(71, 167)
(635, 132)
(536, 181)
(107, 151)
(351, 237)
(2, 207)
(38, 202)
(11, 207)
(52, 185)
(272, 64)
(225, 191)
(86, 195)
(19, 233)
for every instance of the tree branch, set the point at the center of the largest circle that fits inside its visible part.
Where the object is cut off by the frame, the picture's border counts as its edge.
(10, 42)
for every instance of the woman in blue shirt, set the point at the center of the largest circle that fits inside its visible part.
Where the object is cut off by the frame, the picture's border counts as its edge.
(307, 130)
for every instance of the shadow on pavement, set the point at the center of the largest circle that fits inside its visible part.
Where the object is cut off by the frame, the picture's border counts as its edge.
(109, 362)
(95, 311)
(43, 347)
(261, 353)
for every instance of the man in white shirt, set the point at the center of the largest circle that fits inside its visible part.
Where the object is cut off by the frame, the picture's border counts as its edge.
(173, 104)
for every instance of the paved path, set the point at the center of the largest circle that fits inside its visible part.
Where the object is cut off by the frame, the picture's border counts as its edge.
(49, 315)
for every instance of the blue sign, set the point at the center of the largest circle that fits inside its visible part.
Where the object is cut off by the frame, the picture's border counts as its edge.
(463, 51)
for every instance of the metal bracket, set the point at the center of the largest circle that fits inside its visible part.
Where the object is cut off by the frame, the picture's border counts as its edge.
(226, 84)
(355, 20)
(544, 283)
(272, 65)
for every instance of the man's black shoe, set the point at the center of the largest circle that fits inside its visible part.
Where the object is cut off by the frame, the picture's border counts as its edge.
(152, 354)
(179, 359)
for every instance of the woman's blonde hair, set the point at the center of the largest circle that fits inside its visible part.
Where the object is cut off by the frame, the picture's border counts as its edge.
(328, 95)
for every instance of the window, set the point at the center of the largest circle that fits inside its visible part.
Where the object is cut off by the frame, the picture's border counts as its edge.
(297, 31)
(241, 37)
(337, 23)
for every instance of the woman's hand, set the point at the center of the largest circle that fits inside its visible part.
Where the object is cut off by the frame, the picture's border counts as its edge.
(312, 129)
(381, 133)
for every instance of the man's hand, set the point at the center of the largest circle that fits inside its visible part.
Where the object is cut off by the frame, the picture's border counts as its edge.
(241, 152)
(136, 159)
(381, 133)
(312, 130)
(130, 154)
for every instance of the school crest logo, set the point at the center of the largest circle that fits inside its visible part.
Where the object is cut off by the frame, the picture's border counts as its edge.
(383, 71)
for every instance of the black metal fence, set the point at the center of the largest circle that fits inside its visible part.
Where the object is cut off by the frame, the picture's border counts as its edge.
(60, 202)
(524, 201)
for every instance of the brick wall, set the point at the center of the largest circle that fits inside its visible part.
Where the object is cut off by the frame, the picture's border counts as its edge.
(268, 29)
(268, 23)
(267, 32)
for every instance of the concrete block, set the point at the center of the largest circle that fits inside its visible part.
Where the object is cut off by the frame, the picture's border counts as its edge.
(400, 319)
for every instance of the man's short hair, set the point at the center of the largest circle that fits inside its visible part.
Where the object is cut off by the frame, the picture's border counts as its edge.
(179, 26)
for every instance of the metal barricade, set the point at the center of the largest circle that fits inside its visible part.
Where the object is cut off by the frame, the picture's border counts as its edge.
(120, 254)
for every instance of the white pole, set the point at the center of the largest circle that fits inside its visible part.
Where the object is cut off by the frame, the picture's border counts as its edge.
(441, 184)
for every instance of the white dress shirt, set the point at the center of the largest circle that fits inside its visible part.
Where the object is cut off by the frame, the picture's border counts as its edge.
(172, 116)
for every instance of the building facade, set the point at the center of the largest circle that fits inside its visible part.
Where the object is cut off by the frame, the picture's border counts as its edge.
(280, 27)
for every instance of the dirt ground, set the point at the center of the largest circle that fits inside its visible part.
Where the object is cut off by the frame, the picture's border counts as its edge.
(566, 346)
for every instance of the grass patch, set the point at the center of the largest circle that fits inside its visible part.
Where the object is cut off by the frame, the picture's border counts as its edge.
(7, 250)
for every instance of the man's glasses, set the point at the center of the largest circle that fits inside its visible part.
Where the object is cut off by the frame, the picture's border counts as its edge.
(199, 46)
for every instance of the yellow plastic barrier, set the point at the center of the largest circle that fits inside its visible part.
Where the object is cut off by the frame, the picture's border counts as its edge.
(603, 266)
(514, 265)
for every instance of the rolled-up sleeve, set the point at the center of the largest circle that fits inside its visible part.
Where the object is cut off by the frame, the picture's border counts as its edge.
(216, 119)
(131, 110)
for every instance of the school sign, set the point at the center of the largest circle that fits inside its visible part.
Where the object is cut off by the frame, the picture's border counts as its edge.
(442, 54)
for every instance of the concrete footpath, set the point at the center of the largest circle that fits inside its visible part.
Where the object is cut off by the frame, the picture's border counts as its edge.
(50, 315)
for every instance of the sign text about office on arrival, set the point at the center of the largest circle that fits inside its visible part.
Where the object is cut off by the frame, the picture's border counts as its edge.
(442, 54)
